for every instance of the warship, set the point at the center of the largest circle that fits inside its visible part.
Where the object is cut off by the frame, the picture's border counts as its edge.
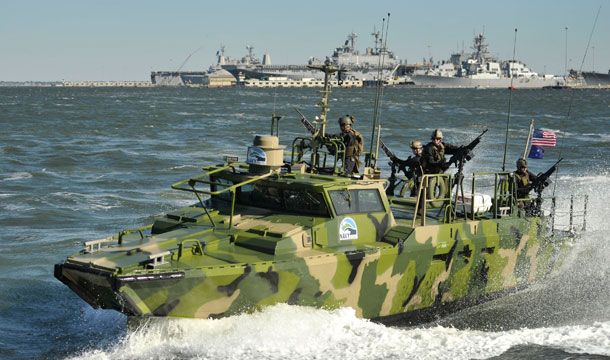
(595, 79)
(480, 70)
(292, 227)
(361, 66)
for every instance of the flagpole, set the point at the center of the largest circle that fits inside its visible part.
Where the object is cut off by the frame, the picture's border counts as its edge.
(529, 137)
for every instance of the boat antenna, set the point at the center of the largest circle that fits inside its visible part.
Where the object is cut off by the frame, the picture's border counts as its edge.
(379, 92)
(510, 98)
(563, 134)
(275, 119)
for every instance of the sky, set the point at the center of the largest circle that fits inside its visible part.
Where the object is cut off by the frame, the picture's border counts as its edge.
(125, 40)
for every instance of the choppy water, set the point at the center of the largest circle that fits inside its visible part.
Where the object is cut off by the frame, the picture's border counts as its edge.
(81, 164)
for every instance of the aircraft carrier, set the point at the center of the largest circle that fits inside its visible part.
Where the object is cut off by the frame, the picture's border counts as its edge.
(360, 66)
(595, 79)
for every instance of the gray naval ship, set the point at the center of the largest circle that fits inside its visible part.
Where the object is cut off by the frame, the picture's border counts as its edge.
(480, 70)
(595, 79)
(359, 66)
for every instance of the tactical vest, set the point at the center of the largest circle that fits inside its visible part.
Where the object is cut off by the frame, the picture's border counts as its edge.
(439, 152)
(355, 146)
(522, 179)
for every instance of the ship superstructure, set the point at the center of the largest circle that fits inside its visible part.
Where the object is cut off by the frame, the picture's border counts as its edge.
(480, 69)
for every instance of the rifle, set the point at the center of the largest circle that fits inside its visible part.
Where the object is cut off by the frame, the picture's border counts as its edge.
(543, 180)
(464, 153)
(308, 125)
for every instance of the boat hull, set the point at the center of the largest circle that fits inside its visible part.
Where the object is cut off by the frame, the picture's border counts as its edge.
(467, 82)
(410, 270)
(596, 79)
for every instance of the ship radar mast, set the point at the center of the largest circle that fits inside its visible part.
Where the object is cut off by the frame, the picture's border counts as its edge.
(250, 49)
(221, 55)
(480, 49)
(377, 36)
(352, 40)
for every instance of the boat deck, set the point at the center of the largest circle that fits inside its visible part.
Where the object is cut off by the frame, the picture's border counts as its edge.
(404, 209)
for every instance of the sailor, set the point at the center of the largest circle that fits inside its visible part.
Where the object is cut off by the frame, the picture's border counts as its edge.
(354, 144)
(524, 179)
(412, 165)
(434, 162)
(416, 148)
(433, 156)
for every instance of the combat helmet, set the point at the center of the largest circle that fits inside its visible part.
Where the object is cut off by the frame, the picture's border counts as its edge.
(437, 134)
(521, 163)
(416, 144)
(346, 120)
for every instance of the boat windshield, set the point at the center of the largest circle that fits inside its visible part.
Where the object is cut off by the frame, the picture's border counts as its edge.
(261, 195)
(356, 201)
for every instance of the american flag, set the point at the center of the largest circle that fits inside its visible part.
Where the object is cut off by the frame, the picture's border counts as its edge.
(544, 138)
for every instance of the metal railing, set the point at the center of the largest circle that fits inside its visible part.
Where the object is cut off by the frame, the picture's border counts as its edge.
(575, 217)
(424, 197)
(504, 198)
(298, 149)
(228, 187)
(503, 202)
(96, 245)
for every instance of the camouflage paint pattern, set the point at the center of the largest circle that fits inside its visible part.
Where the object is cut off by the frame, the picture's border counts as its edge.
(383, 267)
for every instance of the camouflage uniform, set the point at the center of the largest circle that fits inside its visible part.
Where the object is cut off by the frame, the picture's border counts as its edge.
(434, 162)
(353, 148)
(354, 144)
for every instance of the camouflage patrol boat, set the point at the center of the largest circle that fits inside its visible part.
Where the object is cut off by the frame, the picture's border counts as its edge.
(274, 230)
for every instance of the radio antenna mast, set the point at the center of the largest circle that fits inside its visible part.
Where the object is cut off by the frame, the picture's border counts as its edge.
(372, 160)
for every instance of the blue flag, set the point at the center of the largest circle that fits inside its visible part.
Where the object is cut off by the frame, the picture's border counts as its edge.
(536, 152)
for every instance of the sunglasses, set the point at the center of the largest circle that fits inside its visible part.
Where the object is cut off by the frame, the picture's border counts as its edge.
(438, 138)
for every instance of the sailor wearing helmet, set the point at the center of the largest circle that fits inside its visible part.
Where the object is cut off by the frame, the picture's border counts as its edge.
(354, 144)
(433, 157)
(524, 179)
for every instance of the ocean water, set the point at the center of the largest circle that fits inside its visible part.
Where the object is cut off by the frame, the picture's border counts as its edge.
(83, 163)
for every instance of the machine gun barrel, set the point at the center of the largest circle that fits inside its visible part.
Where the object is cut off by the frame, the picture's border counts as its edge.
(387, 151)
(308, 125)
(476, 141)
(465, 152)
(542, 180)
